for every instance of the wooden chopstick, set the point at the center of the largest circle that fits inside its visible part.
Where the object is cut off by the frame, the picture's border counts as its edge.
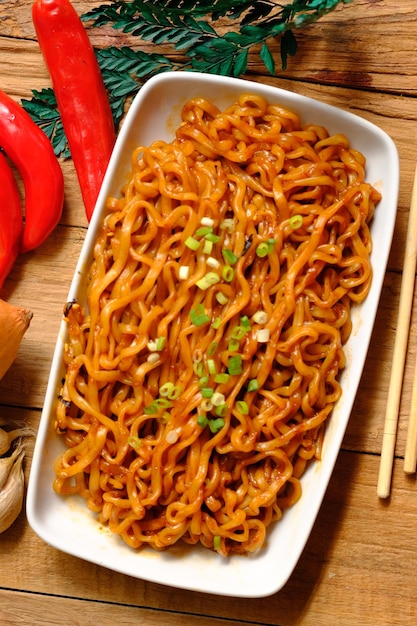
(400, 348)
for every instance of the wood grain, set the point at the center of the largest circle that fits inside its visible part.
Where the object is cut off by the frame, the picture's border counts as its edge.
(359, 562)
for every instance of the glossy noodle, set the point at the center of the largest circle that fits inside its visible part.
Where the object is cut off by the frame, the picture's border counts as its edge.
(205, 362)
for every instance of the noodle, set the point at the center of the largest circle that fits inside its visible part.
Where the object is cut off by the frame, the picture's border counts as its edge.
(205, 363)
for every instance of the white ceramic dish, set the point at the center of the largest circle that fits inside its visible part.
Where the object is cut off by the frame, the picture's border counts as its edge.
(66, 523)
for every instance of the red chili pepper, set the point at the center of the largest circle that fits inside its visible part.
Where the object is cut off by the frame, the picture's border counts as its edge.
(30, 150)
(11, 222)
(80, 92)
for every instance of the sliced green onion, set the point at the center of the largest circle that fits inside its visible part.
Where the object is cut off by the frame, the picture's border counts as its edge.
(212, 237)
(253, 385)
(160, 343)
(203, 231)
(184, 272)
(162, 403)
(242, 407)
(228, 273)
(207, 247)
(198, 316)
(216, 542)
(212, 349)
(223, 377)
(216, 425)
(175, 392)
(213, 262)
(198, 368)
(263, 335)
(221, 410)
(134, 442)
(165, 389)
(221, 298)
(228, 224)
(192, 244)
(150, 409)
(202, 420)
(233, 345)
(245, 322)
(207, 392)
(265, 248)
(229, 257)
(216, 323)
(262, 250)
(238, 332)
(207, 221)
(296, 221)
(234, 365)
(260, 317)
(206, 405)
(217, 398)
(211, 366)
(211, 278)
(203, 380)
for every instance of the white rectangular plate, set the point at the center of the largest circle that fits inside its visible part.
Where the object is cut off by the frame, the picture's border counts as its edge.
(65, 523)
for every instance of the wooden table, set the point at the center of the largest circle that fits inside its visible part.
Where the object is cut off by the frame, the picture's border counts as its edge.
(359, 563)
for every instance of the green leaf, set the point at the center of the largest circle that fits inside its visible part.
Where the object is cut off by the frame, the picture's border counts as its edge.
(267, 58)
(288, 47)
(43, 110)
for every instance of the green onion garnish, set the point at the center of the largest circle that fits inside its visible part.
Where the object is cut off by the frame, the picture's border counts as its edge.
(165, 389)
(216, 542)
(134, 442)
(242, 407)
(150, 409)
(245, 322)
(202, 421)
(212, 349)
(234, 365)
(253, 385)
(198, 316)
(212, 237)
(229, 257)
(233, 345)
(160, 343)
(227, 273)
(207, 392)
(207, 247)
(221, 410)
(203, 231)
(192, 243)
(216, 425)
(296, 221)
(216, 323)
(238, 332)
(198, 368)
(223, 377)
(162, 403)
(211, 366)
(211, 278)
(265, 248)
(221, 298)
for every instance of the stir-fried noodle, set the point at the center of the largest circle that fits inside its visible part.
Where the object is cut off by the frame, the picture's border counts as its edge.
(204, 364)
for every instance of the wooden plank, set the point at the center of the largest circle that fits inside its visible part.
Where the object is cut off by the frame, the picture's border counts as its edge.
(359, 561)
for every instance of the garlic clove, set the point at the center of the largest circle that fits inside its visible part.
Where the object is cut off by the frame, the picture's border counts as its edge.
(6, 463)
(11, 494)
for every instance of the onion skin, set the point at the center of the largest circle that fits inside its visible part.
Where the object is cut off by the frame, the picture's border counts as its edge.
(14, 321)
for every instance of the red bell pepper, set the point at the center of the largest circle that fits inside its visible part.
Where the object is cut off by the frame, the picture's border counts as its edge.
(11, 222)
(30, 150)
(80, 92)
